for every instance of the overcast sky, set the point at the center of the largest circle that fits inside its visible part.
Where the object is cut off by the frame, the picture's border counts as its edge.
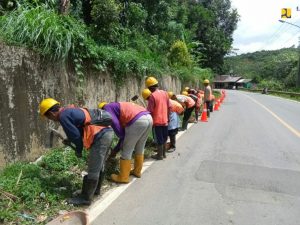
(259, 28)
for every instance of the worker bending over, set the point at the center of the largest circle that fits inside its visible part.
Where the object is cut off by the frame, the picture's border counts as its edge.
(189, 104)
(132, 124)
(176, 110)
(76, 124)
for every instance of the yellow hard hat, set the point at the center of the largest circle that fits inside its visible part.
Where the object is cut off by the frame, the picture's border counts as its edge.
(146, 93)
(150, 81)
(47, 104)
(185, 93)
(206, 81)
(170, 93)
(186, 88)
(101, 105)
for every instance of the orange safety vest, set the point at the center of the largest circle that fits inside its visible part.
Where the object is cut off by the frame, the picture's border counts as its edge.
(190, 102)
(89, 131)
(160, 112)
(128, 111)
(176, 107)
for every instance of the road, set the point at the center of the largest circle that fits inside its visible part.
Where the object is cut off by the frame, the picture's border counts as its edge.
(242, 168)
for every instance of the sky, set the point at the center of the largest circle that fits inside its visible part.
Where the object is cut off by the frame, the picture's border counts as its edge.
(259, 27)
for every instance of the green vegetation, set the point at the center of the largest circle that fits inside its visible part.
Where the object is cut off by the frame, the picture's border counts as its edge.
(276, 70)
(47, 184)
(182, 38)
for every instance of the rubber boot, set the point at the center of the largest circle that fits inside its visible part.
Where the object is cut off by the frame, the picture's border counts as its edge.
(88, 190)
(159, 155)
(164, 151)
(123, 176)
(138, 165)
(100, 181)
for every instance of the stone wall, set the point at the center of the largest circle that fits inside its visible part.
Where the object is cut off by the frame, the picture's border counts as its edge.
(26, 78)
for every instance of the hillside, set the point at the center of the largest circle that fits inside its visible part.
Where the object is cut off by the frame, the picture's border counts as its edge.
(276, 69)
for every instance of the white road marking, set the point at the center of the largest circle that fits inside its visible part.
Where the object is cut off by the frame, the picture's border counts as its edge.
(289, 127)
(109, 197)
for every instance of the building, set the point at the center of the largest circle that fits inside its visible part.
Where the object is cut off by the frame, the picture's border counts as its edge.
(226, 81)
(245, 83)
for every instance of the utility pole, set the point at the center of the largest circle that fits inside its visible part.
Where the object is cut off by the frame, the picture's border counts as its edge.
(298, 72)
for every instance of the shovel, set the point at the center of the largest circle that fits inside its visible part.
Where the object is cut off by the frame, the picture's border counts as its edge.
(60, 136)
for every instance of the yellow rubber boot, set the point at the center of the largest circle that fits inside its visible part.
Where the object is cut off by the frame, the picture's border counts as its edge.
(138, 165)
(123, 176)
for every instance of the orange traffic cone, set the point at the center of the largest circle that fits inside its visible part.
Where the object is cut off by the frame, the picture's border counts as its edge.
(222, 98)
(219, 103)
(216, 107)
(204, 115)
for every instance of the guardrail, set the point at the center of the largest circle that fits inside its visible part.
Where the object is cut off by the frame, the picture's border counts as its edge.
(291, 94)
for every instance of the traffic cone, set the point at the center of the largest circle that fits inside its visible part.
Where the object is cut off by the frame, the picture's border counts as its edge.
(219, 103)
(222, 98)
(216, 107)
(204, 114)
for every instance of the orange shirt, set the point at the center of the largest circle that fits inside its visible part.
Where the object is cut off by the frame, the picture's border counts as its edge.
(159, 107)
(176, 107)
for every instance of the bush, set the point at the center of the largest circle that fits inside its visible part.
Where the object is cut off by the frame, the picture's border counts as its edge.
(179, 54)
(271, 85)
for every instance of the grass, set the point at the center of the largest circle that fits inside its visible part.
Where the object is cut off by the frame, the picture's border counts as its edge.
(47, 184)
(63, 37)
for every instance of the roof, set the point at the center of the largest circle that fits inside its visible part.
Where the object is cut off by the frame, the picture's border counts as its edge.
(244, 81)
(226, 79)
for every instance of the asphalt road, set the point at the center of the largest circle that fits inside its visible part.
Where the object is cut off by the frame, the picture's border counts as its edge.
(242, 167)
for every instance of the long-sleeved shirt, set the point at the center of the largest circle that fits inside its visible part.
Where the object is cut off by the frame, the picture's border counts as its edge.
(114, 109)
(72, 121)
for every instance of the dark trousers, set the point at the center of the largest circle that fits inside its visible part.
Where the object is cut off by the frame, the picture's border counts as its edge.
(161, 134)
(172, 135)
(186, 116)
(208, 107)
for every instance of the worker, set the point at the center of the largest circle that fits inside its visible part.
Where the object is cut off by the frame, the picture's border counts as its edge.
(187, 89)
(176, 110)
(189, 104)
(207, 96)
(132, 124)
(197, 104)
(159, 107)
(76, 124)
